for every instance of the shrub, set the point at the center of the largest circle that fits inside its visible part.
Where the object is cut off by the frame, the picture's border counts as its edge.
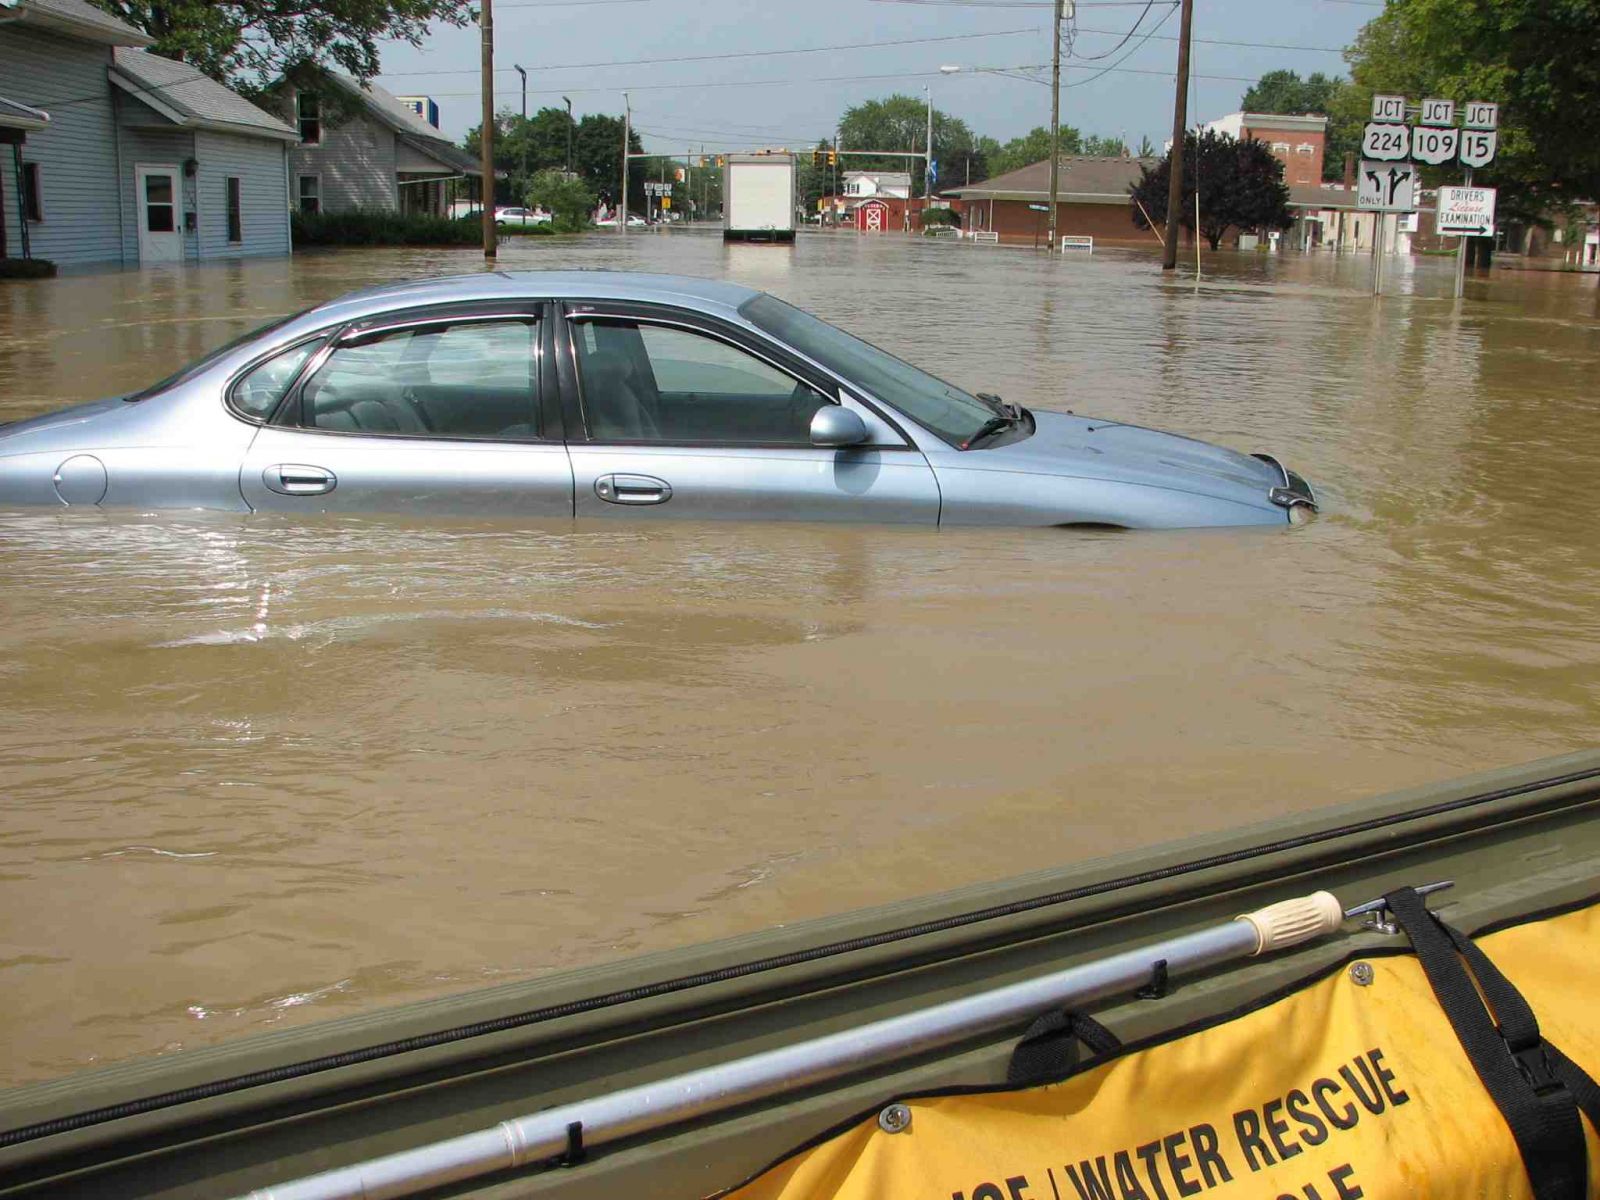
(378, 227)
(570, 201)
(26, 268)
(940, 216)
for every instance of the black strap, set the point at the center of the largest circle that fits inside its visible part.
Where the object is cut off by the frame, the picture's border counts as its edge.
(1518, 1025)
(1049, 1048)
(1510, 1057)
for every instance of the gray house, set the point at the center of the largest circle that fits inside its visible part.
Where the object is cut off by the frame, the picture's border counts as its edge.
(361, 147)
(118, 156)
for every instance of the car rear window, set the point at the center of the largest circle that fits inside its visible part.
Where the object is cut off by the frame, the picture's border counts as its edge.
(200, 364)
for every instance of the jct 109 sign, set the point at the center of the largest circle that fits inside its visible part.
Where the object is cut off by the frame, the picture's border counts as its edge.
(1435, 140)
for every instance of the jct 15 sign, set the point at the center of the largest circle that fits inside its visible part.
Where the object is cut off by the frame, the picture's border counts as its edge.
(1466, 210)
(1477, 147)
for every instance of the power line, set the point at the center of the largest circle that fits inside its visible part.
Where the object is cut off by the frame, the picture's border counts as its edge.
(631, 62)
(1138, 21)
(1168, 37)
(1132, 50)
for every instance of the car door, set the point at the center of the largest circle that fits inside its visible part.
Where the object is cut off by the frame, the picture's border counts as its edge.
(680, 415)
(440, 412)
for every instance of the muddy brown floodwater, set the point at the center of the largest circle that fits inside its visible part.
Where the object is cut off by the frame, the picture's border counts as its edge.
(260, 770)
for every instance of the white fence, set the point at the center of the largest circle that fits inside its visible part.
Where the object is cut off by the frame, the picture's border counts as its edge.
(984, 235)
(1077, 243)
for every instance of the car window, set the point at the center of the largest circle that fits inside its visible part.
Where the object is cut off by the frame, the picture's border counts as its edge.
(938, 406)
(474, 379)
(260, 389)
(645, 382)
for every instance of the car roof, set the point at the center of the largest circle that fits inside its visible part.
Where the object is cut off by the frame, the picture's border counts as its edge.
(710, 295)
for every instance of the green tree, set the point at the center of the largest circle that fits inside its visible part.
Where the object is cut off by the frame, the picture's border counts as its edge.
(1286, 93)
(900, 123)
(249, 43)
(570, 201)
(596, 152)
(1539, 59)
(1034, 146)
(1241, 187)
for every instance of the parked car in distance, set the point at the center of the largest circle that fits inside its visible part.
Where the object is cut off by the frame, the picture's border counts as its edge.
(610, 222)
(521, 216)
(593, 394)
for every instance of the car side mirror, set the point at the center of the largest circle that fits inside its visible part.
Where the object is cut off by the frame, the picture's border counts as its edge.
(835, 425)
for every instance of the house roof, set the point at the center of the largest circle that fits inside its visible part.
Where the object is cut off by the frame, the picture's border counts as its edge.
(403, 119)
(446, 154)
(16, 115)
(1321, 196)
(77, 18)
(1083, 179)
(190, 98)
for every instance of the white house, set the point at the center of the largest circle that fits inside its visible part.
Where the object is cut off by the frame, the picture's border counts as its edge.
(120, 157)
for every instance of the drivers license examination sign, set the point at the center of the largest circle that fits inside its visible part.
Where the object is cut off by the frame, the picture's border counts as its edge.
(1341, 1090)
(1466, 210)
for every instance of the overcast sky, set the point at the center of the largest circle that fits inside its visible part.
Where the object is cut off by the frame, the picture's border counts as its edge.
(793, 99)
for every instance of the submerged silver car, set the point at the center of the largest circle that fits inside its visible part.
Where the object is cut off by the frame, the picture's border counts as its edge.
(596, 394)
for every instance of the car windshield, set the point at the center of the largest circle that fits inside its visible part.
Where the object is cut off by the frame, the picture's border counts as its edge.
(934, 404)
(200, 364)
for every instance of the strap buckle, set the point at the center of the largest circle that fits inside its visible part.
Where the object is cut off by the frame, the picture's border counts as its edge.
(1534, 1064)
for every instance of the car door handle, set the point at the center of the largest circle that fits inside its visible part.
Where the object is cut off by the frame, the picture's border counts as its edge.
(632, 489)
(295, 479)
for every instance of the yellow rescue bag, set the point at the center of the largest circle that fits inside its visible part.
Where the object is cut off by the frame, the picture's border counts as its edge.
(1353, 1086)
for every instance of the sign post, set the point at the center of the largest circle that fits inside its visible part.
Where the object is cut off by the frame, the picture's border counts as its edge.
(1383, 188)
(1478, 139)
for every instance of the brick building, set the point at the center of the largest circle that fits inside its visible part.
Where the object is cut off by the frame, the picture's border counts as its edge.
(1297, 142)
(1092, 195)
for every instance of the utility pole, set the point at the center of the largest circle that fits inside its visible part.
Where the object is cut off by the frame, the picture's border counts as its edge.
(627, 129)
(1180, 120)
(524, 130)
(1055, 120)
(569, 135)
(486, 134)
(927, 157)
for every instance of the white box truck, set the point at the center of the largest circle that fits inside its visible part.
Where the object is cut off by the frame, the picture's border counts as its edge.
(758, 198)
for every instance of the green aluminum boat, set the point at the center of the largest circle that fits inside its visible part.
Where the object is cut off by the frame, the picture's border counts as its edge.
(1402, 1009)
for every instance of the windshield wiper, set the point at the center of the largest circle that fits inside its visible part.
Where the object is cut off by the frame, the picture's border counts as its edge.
(991, 426)
(1000, 406)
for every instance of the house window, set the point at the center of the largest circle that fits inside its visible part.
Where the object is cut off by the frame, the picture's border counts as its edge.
(32, 192)
(1305, 148)
(235, 216)
(309, 110)
(310, 194)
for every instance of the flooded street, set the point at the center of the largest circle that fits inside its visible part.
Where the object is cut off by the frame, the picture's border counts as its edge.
(261, 770)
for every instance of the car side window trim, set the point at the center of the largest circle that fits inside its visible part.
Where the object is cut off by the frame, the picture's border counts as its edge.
(236, 380)
(290, 413)
(577, 312)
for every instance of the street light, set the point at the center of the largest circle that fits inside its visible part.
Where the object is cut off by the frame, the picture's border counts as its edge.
(568, 135)
(524, 130)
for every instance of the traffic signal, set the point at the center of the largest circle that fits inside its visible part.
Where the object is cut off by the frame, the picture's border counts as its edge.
(721, 160)
(833, 158)
(816, 158)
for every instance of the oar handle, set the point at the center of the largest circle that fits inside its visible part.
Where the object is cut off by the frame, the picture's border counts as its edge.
(1290, 922)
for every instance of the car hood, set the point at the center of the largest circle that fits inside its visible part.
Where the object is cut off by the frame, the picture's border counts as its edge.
(1064, 444)
(40, 433)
